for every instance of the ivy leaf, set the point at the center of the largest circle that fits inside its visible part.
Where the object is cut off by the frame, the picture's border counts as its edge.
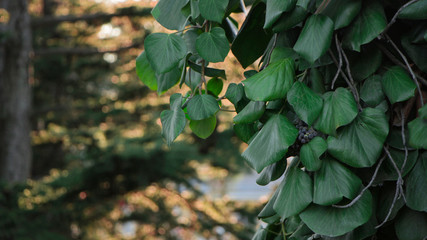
(275, 8)
(202, 106)
(387, 172)
(411, 225)
(386, 197)
(235, 93)
(213, 10)
(271, 143)
(370, 22)
(315, 37)
(417, 10)
(164, 51)
(342, 12)
(339, 109)
(213, 46)
(250, 113)
(272, 83)
(416, 52)
(332, 222)
(167, 80)
(310, 153)
(245, 131)
(203, 128)
(333, 182)
(272, 172)
(416, 185)
(397, 85)
(365, 63)
(371, 92)
(173, 121)
(306, 103)
(145, 72)
(360, 143)
(295, 193)
(168, 13)
(418, 130)
(290, 20)
(215, 86)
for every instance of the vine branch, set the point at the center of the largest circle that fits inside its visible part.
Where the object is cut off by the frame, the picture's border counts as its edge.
(393, 20)
(351, 83)
(339, 63)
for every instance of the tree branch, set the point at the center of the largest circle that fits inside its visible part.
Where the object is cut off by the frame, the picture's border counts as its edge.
(54, 20)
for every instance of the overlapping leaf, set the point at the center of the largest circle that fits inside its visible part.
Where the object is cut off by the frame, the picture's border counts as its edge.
(397, 85)
(164, 51)
(275, 8)
(203, 128)
(145, 72)
(416, 185)
(310, 153)
(202, 106)
(168, 13)
(418, 130)
(173, 120)
(272, 172)
(342, 12)
(416, 10)
(306, 103)
(411, 225)
(360, 143)
(213, 46)
(272, 83)
(271, 143)
(213, 10)
(250, 113)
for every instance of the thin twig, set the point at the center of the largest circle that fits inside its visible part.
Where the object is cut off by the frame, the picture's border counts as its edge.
(322, 6)
(402, 117)
(364, 189)
(409, 67)
(399, 182)
(393, 20)
(339, 63)
(336, 63)
(396, 61)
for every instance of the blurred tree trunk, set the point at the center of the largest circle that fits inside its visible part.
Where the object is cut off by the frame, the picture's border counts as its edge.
(15, 94)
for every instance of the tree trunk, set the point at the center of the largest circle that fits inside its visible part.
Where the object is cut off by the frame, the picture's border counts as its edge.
(15, 93)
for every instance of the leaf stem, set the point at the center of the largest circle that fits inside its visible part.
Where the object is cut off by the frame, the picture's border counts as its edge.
(283, 230)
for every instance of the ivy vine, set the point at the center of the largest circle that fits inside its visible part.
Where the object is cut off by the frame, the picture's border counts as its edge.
(340, 88)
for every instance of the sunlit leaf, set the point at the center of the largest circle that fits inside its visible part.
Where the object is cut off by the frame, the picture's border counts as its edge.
(203, 128)
(215, 86)
(164, 51)
(145, 72)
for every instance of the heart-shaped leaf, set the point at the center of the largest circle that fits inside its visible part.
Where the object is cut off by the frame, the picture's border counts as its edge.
(332, 222)
(342, 12)
(295, 193)
(215, 86)
(315, 37)
(202, 106)
(360, 143)
(411, 225)
(333, 182)
(213, 10)
(213, 46)
(397, 85)
(272, 83)
(167, 80)
(271, 143)
(173, 121)
(306, 103)
(371, 92)
(387, 172)
(275, 8)
(416, 185)
(164, 51)
(339, 109)
(252, 112)
(168, 13)
(310, 153)
(418, 130)
(203, 128)
(145, 72)
(365, 63)
(272, 172)
(370, 22)
(235, 93)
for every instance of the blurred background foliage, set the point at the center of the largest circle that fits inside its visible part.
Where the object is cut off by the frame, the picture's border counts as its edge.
(100, 167)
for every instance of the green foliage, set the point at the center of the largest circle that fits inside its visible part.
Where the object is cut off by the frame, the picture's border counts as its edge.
(339, 68)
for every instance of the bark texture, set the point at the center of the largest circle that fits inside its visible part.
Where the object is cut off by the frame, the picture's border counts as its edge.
(15, 94)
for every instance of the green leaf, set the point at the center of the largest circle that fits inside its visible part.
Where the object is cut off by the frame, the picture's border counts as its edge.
(271, 143)
(245, 131)
(418, 130)
(387, 172)
(235, 93)
(213, 10)
(213, 46)
(168, 13)
(173, 121)
(202, 106)
(203, 128)
(251, 40)
(145, 73)
(290, 19)
(167, 80)
(306, 103)
(275, 8)
(215, 86)
(370, 22)
(333, 182)
(315, 79)
(272, 83)
(252, 112)
(210, 72)
(416, 52)
(261, 234)
(360, 143)
(342, 12)
(339, 109)
(272, 172)
(295, 193)
(365, 63)
(416, 185)
(195, 11)
(315, 37)
(411, 225)
(310, 153)
(397, 85)
(164, 51)
(280, 53)
(371, 92)
(332, 222)
(386, 198)
(417, 10)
